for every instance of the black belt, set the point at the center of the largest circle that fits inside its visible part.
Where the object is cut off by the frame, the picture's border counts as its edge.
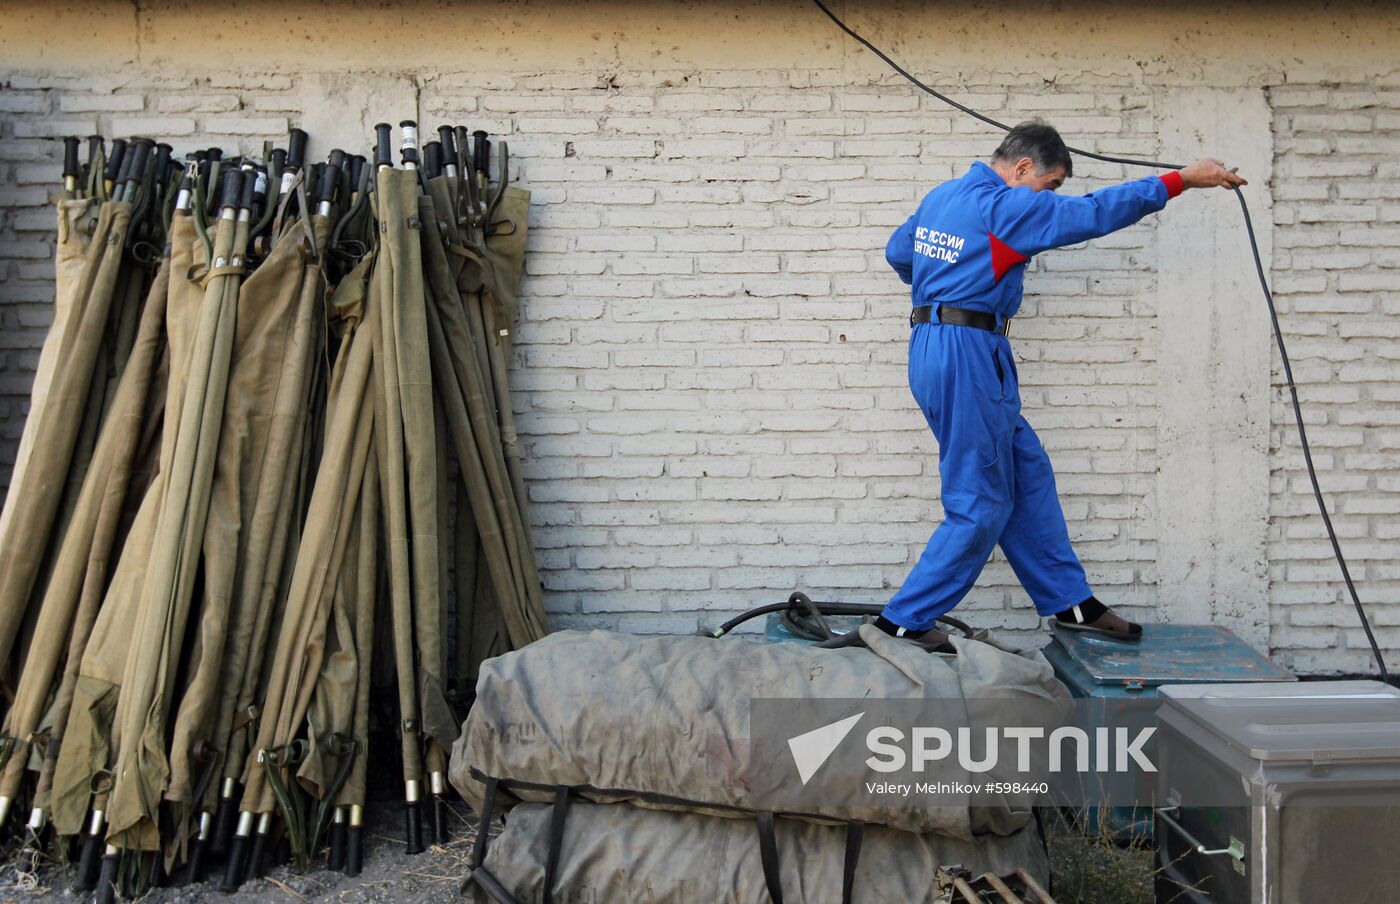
(959, 317)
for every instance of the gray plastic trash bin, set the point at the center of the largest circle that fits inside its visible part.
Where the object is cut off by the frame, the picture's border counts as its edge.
(1279, 793)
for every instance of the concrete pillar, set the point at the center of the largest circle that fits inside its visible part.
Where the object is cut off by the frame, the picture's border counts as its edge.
(1214, 360)
(339, 109)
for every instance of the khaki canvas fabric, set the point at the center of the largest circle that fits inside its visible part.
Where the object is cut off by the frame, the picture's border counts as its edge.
(276, 347)
(90, 733)
(45, 474)
(406, 444)
(644, 714)
(331, 715)
(249, 665)
(142, 769)
(358, 593)
(82, 567)
(94, 677)
(76, 219)
(491, 516)
(301, 642)
(617, 853)
(505, 252)
(345, 643)
(497, 579)
(367, 575)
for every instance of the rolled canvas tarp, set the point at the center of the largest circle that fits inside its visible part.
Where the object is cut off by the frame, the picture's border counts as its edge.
(644, 717)
(617, 852)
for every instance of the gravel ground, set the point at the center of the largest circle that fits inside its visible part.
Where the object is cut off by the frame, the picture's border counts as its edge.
(389, 875)
(1089, 868)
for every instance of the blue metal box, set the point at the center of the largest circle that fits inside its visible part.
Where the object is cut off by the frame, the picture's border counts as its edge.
(1097, 667)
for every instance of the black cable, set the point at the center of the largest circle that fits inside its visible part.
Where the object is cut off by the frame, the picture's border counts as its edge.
(1303, 437)
(1263, 284)
(806, 620)
(1127, 161)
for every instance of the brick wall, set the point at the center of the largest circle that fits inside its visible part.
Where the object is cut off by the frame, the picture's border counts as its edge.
(1337, 276)
(710, 377)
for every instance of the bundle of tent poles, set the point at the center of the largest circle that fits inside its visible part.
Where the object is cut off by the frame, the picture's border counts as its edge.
(270, 430)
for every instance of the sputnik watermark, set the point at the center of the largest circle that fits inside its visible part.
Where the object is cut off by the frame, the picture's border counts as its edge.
(906, 789)
(1111, 749)
(948, 752)
(813, 748)
(930, 744)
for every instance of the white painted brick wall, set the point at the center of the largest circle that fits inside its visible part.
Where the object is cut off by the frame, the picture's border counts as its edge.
(710, 377)
(1337, 276)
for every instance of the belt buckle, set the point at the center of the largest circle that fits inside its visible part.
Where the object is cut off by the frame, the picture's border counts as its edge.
(1005, 327)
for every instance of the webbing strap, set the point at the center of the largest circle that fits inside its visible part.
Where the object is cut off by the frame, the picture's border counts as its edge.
(483, 823)
(855, 835)
(283, 201)
(768, 854)
(305, 204)
(225, 270)
(556, 840)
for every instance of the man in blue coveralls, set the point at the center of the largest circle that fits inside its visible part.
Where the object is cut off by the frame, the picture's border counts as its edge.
(964, 253)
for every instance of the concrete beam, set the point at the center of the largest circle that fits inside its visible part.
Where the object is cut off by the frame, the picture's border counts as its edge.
(1213, 363)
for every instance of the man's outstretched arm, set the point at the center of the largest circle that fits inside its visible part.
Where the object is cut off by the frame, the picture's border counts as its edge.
(1035, 221)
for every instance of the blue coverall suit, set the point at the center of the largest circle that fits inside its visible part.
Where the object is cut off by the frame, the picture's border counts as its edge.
(967, 246)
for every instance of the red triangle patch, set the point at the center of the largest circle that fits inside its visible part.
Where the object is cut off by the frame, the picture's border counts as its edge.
(1004, 257)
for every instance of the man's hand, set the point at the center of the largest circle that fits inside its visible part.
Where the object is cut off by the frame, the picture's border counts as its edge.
(1209, 172)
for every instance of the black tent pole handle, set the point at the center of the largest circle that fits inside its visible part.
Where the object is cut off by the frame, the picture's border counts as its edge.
(195, 869)
(354, 850)
(94, 149)
(225, 820)
(114, 161)
(107, 879)
(440, 831)
(72, 169)
(330, 177)
(232, 189)
(481, 154)
(432, 159)
(296, 150)
(248, 196)
(124, 167)
(335, 859)
(237, 864)
(276, 163)
(89, 863)
(413, 813)
(383, 145)
(357, 169)
(138, 154)
(163, 152)
(449, 145)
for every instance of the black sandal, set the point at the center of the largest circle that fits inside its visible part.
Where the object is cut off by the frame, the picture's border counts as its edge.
(932, 640)
(1082, 618)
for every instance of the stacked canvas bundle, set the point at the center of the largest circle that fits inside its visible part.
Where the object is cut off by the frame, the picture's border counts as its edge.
(621, 765)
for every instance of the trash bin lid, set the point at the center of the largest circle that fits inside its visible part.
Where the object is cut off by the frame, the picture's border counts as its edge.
(1314, 721)
(1168, 654)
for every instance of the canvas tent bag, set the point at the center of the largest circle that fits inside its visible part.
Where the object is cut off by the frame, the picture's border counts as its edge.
(618, 852)
(644, 717)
